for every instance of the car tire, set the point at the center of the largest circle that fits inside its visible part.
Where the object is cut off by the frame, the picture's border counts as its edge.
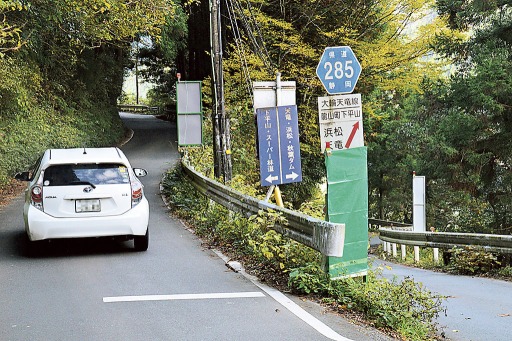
(141, 243)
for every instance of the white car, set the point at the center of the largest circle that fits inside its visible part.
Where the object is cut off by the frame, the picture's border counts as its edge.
(85, 192)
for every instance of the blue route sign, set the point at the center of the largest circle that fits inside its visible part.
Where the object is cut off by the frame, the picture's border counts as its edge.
(279, 148)
(338, 70)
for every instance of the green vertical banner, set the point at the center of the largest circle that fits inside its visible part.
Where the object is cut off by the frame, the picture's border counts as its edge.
(347, 203)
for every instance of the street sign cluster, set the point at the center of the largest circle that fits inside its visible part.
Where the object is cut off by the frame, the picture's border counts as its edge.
(279, 148)
(341, 136)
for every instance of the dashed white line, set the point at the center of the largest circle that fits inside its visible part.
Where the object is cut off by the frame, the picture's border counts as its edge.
(116, 299)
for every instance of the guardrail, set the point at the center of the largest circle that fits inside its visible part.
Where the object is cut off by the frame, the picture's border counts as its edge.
(386, 223)
(138, 108)
(323, 236)
(447, 240)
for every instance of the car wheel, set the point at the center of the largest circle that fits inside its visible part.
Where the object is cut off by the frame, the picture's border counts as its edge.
(141, 243)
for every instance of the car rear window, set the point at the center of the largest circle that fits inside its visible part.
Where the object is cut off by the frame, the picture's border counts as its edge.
(96, 174)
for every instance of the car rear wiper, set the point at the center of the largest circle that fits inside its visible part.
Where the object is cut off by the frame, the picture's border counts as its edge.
(83, 183)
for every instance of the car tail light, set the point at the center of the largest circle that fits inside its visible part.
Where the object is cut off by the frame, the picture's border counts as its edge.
(36, 196)
(36, 193)
(136, 192)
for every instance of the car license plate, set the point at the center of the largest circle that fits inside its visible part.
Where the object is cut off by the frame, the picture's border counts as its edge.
(87, 205)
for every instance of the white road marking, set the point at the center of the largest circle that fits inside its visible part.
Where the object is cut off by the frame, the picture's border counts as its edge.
(294, 308)
(182, 297)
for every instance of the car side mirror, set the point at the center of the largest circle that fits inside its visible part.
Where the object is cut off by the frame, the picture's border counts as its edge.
(24, 176)
(140, 172)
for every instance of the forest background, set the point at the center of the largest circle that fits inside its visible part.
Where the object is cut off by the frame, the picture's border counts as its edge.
(436, 85)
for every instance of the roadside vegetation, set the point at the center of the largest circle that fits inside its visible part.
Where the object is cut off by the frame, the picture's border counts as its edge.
(435, 85)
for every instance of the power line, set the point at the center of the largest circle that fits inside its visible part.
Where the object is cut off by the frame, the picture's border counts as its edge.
(253, 32)
(239, 44)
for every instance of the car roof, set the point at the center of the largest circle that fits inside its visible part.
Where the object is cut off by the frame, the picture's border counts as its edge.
(83, 155)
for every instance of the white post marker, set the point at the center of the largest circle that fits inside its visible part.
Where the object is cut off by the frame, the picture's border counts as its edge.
(419, 219)
(418, 202)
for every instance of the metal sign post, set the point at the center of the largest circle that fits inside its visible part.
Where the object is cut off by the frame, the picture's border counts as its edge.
(347, 203)
(269, 96)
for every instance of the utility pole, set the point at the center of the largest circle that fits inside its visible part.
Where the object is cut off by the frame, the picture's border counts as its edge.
(137, 73)
(221, 126)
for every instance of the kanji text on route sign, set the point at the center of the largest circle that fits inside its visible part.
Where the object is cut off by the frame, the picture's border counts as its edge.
(338, 70)
(279, 148)
(341, 121)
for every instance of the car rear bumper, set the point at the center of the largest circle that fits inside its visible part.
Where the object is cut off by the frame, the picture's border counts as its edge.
(40, 226)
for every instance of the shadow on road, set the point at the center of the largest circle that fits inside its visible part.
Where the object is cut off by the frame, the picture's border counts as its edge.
(17, 244)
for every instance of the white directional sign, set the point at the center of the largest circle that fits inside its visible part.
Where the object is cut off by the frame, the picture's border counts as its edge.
(341, 121)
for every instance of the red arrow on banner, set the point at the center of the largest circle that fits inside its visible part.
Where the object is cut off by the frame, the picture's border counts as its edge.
(355, 128)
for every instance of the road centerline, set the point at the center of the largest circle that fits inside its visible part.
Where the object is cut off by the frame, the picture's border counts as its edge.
(174, 297)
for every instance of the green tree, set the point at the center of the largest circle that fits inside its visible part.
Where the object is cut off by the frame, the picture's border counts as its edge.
(159, 59)
(62, 65)
(473, 120)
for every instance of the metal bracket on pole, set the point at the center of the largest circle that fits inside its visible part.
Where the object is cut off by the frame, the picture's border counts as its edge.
(269, 193)
(277, 195)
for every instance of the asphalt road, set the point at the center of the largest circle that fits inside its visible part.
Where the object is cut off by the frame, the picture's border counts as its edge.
(177, 290)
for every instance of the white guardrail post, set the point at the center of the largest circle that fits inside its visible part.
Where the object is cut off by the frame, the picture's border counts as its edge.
(326, 237)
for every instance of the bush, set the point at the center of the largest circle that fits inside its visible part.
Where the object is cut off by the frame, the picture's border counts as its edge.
(253, 236)
(472, 260)
(505, 272)
(404, 306)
